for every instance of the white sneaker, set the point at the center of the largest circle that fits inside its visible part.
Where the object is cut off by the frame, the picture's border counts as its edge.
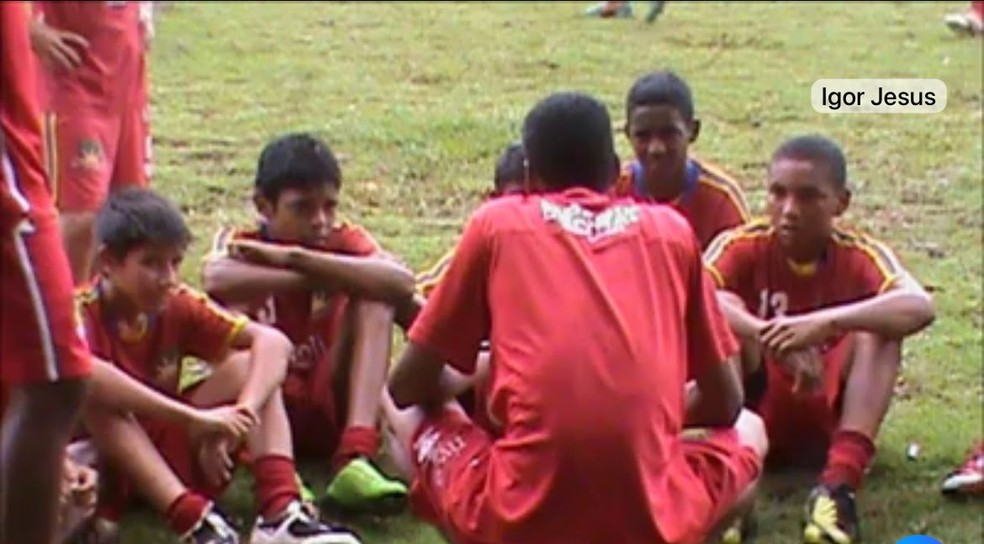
(295, 526)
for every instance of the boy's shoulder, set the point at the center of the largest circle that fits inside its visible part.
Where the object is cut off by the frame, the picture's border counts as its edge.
(714, 180)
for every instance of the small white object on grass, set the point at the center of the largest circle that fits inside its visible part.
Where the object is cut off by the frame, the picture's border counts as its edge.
(912, 452)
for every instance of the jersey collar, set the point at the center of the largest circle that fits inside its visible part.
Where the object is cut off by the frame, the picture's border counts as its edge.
(689, 183)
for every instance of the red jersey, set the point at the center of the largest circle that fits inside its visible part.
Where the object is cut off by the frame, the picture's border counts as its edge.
(712, 201)
(750, 262)
(595, 306)
(109, 77)
(152, 350)
(20, 117)
(307, 317)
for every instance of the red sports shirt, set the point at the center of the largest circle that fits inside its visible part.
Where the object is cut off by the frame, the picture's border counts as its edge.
(712, 201)
(307, 317)
(108, 78)
(152, 349)
(594, 307)
(750, 262)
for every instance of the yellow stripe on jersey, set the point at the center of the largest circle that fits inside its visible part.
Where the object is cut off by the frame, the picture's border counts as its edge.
(753, 229)
(427, 281)
(881, 256)
(716, 178)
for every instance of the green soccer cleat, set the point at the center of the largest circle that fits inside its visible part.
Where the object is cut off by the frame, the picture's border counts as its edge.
(360, 487)
(831, 517)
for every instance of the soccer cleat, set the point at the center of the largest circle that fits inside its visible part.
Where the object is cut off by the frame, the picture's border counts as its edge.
(361, 487)
(968, 478)
(831, 517)
(964, 23)
(605, 10)
(212, 529)
(295, 526)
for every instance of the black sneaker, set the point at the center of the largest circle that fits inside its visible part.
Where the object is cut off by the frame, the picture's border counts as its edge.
(212, 529)
(831, 517)
(296, 526)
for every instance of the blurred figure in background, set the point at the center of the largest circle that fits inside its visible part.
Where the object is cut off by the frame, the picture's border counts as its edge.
(970, 22)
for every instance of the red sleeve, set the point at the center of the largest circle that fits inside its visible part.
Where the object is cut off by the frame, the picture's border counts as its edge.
(709, 338)
(353, 240)
(207, 330)
(729, 260)
(456, 317)
(876, 268)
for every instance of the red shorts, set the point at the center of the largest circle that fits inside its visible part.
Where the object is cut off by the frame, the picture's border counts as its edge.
(800, 425)
(175, 446)
(40, 341)
(92, 152)
(450, 488)
(317, 410)
(315, 423)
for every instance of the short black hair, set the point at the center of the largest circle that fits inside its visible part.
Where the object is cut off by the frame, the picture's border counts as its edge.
(135, 217)
(568, 141)
(818, 150)
(296, 160)
(661, 88)
(510, 169)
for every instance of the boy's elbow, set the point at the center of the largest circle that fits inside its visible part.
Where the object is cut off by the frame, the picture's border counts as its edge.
(214, 281)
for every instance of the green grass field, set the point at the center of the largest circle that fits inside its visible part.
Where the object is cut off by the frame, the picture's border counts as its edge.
(419, 98)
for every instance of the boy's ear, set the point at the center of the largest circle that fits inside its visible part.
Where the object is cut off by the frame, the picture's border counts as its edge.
(104, 259)
(694, 130)
(263, 205)
(843, 201)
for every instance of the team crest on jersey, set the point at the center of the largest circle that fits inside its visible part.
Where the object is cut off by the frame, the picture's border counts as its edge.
(90, 156)
(587, 224)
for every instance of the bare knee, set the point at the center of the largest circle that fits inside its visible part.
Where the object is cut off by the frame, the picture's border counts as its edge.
(226, 382)
(752, 433)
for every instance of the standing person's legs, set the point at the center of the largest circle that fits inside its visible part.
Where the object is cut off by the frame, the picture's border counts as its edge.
(43, 365)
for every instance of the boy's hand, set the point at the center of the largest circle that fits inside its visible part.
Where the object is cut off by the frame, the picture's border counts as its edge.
(215, 461)
(260, 253)
(806, 367)
(58, 48)
(233, 422)
(784, 334)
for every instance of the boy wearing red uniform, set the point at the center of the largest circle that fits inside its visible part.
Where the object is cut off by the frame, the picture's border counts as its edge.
(95, 97)
(44, 365)
(139, 316)
(821, 313)
(660, 125)
(595, 307)
(330, 288)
